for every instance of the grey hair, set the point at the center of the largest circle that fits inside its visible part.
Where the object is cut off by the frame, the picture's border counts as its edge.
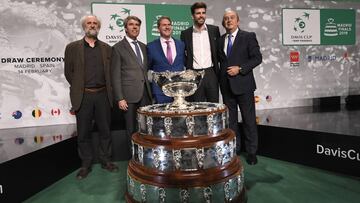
(83, 20)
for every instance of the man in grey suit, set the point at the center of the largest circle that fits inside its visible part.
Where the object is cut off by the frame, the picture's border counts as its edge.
(87, 69)
(201, 53)
(129, 74)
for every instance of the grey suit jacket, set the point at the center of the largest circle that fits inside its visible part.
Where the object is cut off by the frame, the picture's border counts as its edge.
(128, 75)
(75, 70)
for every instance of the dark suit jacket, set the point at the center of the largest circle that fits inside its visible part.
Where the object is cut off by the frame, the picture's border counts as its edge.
(246, 54)
(75, 70)
(128, 75)
(158, 62)
(186, 37)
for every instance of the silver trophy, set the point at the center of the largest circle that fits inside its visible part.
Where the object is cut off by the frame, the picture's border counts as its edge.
(179, 85)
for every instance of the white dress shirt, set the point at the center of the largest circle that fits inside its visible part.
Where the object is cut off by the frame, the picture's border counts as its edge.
(201, 48)
(233, 35)
(133, 46)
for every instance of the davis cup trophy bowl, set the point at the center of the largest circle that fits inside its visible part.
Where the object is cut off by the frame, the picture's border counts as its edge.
(179, 85)
(184, 152)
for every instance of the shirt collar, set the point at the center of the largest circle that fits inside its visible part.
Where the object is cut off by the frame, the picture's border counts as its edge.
(235, 32)
(130, 40)
(88, 45)
(197, 30)
(163, 40)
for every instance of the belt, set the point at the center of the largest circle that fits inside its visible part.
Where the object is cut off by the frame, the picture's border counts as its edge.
(94, 89)
(200, 69)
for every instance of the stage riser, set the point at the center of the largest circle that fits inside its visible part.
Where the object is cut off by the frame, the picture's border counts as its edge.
(27, 175)
(333, 152)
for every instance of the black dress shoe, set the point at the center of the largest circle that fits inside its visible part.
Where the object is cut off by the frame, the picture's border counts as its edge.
(83, 173)
(110, 167)
(251, 159)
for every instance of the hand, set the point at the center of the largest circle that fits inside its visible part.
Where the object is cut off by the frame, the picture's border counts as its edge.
(233, 70)
(123, 105)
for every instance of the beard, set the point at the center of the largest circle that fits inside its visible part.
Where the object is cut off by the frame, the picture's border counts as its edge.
(92, 33)
(200, 21)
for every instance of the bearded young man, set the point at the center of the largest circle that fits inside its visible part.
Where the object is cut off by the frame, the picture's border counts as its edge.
(87, 69)
(201, 53)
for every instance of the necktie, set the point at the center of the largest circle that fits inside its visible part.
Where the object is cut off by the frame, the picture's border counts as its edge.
(229, 46)
(168, 52)
(137, 49)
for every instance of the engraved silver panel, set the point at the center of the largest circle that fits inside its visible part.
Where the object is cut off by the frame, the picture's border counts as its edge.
(181, 125)
(227, 190)
(185, 159)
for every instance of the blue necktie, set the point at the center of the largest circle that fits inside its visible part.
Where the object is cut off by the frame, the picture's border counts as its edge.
(137, 49)
(229, 46)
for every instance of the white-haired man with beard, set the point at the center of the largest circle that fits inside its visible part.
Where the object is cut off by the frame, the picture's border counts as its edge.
(87, 69)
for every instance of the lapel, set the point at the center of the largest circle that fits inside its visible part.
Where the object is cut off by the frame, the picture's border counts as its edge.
(190, 39)
(81, 54)
(159, 50)
(131, 52)
(236, 42)
(178, 51)
(211, 39)
(103, 54)
(143, 51)
(222, 44)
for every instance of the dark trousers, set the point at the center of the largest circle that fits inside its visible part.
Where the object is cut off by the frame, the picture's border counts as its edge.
(131, 115)
(208, 90)
(247, 108)
(94, 107)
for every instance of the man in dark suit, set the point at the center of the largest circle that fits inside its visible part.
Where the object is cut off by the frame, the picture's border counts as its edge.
(87, 69)
(129, 74)
(165, 54)
(239, 54)
(201, 53)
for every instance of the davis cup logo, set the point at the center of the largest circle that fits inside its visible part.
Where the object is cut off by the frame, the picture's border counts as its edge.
(116, 23)
(300, 22)
(55, 112)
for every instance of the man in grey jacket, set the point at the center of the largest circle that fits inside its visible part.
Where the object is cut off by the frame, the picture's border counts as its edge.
(129, 74)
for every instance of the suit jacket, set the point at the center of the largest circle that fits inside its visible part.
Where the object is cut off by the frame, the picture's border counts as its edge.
(246, 54)
(214, 35)
(74, 70)
(128, 75)
(159, 63)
